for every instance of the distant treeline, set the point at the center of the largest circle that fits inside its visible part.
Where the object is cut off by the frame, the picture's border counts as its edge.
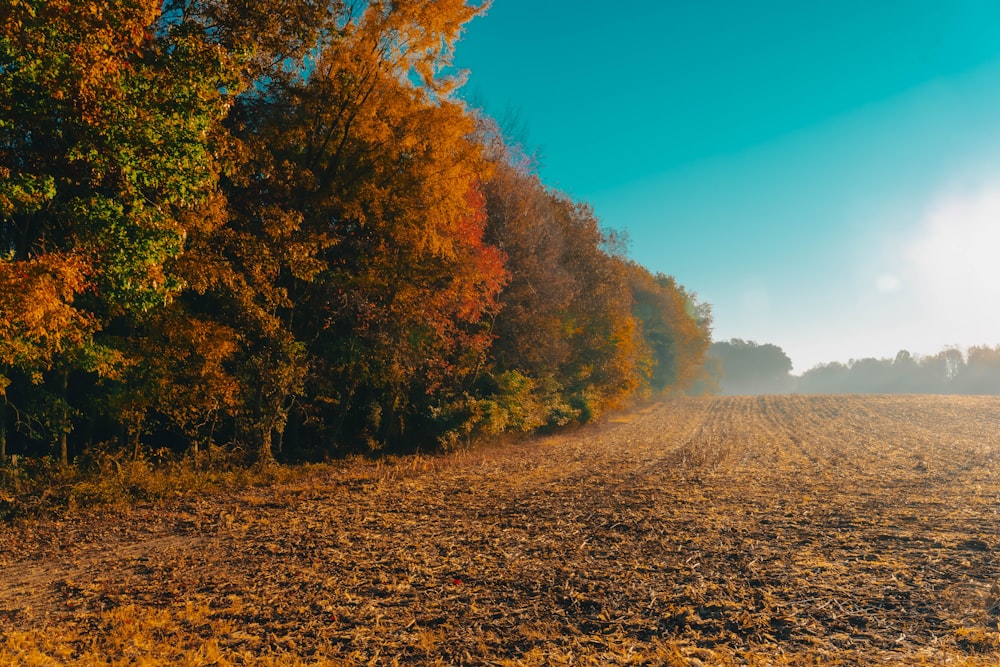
(745, 367)
(948, 372)
(269, 227)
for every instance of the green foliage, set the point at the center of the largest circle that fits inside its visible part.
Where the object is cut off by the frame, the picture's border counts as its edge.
(521, 404)
(104, 114)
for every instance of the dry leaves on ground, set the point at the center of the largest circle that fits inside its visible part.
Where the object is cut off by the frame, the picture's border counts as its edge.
(730, 531)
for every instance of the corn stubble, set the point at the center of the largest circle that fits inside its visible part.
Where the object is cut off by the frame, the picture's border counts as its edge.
(731, 531)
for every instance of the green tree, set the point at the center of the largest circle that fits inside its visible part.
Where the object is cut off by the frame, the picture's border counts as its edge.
(104, 109)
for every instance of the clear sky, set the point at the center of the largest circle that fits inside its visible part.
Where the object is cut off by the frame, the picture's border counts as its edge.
(826, 174)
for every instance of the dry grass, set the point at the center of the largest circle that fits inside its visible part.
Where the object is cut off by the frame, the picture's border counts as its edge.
(736, 531)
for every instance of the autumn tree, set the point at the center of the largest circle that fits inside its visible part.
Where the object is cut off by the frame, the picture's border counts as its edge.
(571, 338)
(39, 326)
(675, 327)
(531, 347)
(609, 361)
(394, 185)
(351, 261)
(104, 107)
(271, 224)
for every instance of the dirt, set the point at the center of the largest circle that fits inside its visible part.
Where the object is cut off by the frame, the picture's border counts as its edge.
(746, 530)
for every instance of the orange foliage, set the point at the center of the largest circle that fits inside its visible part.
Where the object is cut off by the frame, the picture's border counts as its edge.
(38, 320)
(272, 215)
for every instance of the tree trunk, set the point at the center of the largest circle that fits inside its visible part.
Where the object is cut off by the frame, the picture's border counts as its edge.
(265, 455)
(208, 443)
(136, 436)
(280, 442)
(3, 431)
(64, 431)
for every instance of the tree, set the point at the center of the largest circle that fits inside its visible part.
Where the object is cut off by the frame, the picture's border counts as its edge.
(567, 343)
(270, 224)
(352, 255)
(529, 329)
(39, 327)
(831, 378)
(104, 108)
(103, 112)
(981, 374)
(906, 373)
(675, 327)
(752, 368)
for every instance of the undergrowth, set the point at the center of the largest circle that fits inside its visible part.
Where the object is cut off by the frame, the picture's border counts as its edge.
(43, 487)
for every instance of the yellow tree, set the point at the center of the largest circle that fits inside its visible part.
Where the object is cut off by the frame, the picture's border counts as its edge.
(609, 363)
(675, 327)
(39, 324)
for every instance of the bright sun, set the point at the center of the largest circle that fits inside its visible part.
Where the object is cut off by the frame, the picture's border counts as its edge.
(956, 258)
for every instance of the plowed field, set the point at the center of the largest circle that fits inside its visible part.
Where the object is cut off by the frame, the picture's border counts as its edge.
(730, 531)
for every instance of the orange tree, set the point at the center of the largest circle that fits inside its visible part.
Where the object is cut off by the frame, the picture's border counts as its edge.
(581, 328)
(567, 344)
(349, 256)
(389, 175)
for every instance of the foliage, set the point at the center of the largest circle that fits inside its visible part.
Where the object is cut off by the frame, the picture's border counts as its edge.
(675, 326)
(41, 291)
(269, 228)
(589, 328)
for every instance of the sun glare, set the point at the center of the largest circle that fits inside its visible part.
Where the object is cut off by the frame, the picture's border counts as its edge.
(955, 256)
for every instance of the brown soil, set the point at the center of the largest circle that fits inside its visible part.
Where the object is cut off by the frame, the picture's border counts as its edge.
(762, 530)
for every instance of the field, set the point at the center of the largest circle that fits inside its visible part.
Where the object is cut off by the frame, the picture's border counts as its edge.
(727, 531)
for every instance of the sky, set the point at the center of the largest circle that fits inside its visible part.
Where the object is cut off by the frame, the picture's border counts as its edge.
(825, 174)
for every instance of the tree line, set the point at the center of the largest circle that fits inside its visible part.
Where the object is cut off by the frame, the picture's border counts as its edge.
(272, 227)
(746, 367)
(977, 371)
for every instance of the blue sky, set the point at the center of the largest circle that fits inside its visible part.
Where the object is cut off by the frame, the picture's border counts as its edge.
(825, 174)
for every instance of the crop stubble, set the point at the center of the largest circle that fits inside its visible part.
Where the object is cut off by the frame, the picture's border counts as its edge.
(743, 530)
